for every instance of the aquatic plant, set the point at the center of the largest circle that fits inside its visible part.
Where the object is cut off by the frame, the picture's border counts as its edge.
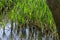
(28, 13)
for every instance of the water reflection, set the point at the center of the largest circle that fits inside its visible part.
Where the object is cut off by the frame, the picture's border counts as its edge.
(24, 34)
(7, 29)
(27, 33)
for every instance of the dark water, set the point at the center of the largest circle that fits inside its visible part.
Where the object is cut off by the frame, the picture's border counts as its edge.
(25, 35)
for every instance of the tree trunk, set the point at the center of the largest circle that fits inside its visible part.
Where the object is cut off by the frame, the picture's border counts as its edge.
(54, 6)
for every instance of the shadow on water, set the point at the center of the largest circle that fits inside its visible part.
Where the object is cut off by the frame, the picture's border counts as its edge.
(24, 34)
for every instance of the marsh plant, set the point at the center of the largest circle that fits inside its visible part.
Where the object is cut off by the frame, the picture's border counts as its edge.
(32, 15)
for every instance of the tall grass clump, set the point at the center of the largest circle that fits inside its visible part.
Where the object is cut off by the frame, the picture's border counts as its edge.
(28, 13)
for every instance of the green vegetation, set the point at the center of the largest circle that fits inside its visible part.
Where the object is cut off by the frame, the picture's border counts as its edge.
(36, 12)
